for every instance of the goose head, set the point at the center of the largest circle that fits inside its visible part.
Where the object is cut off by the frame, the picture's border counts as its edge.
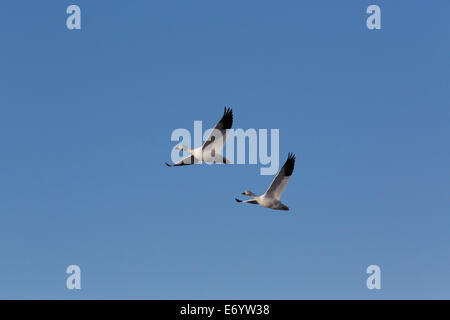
(248, 193)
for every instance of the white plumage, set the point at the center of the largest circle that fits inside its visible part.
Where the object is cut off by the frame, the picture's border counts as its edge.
(271, 198)
(210, 150)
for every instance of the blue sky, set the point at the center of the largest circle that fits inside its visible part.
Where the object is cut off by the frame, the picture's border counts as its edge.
(85, 124)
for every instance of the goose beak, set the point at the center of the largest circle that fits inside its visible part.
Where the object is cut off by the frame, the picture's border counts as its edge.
(243, 193)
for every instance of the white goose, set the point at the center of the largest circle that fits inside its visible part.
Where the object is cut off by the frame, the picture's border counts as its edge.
(209, 151)
(271, 198)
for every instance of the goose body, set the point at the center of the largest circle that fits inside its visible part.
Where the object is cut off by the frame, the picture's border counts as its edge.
(271, 198)
(210, 150)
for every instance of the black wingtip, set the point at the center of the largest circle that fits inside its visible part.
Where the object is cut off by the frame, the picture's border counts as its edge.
(237, 200)
(289, 164)
(168, 165)
(227, 118)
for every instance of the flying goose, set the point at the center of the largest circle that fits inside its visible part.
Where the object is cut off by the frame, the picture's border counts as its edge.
(271, 198)
(210, 150)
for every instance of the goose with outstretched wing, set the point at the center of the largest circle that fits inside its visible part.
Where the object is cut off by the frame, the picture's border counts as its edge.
(271, 198)
(211, 150)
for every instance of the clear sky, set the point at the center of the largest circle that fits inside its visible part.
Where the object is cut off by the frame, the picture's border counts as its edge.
(85, 124)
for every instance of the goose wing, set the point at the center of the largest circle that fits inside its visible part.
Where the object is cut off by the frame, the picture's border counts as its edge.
(184, 162)
(218, 136)
(281, 180)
